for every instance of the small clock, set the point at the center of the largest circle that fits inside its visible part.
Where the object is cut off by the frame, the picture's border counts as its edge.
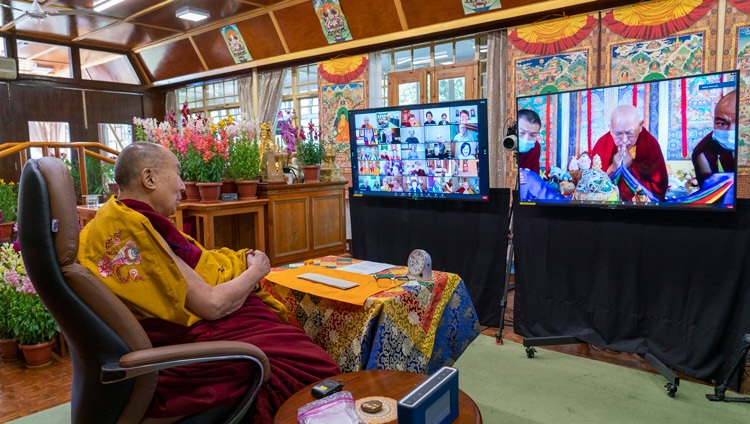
(419, 265)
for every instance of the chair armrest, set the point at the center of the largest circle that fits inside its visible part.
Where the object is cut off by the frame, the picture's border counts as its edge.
(145, 361)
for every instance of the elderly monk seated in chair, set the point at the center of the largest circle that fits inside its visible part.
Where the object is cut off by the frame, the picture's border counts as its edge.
(183, 293)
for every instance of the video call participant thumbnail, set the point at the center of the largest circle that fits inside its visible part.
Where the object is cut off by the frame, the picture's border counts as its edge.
(529, 149)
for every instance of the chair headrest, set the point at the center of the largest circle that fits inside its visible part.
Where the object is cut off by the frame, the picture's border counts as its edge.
(62, 202)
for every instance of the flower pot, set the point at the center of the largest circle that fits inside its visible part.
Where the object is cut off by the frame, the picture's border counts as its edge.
(311, 173)
(247, 189)
(9, 350)
(229, 186)
(209, 192)
(191, 192)
(37, 355)
(6, 231)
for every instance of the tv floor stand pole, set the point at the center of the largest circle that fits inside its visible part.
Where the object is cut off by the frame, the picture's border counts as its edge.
(508, 286)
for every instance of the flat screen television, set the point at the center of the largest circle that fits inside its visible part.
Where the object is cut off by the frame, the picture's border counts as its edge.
(428, 151)
(668, 143)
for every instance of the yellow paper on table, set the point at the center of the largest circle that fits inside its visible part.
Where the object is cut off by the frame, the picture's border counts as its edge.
(368, 285)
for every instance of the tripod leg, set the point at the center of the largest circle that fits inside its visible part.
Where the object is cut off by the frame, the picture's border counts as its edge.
(721, 389)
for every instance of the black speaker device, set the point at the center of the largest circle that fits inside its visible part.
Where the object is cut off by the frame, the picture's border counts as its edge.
(434, 401)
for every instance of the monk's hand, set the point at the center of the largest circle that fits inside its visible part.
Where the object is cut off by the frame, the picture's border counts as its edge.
(259, 262)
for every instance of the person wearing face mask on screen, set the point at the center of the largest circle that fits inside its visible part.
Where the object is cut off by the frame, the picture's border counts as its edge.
(529, 149)
(715, 152)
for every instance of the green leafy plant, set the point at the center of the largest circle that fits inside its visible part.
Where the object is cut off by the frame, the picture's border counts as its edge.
(244, 159)
(8, 201)
(24, 317)
(310, 152)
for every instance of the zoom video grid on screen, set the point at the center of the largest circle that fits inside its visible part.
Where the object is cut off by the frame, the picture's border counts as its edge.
(669, 143)
(434, 151)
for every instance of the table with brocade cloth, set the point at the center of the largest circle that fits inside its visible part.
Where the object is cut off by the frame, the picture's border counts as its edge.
(419, 326)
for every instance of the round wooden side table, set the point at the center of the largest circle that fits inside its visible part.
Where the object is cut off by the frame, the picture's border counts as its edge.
(386, 383)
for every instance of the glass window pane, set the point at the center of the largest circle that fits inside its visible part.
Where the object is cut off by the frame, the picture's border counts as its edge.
(115, 136)
(465, 50)
(104, 66)
(3, 50)
(421, 58)
(43, 59)
(287, 84)
(408, 93)
(444, 54)
(450, 89)
(385, 62)
(483, 47)
(403, 60)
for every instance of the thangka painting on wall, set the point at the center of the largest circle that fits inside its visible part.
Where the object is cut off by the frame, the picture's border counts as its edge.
(550, 74)
(332, 20)
(236, 44)
(657, 59)
(474, 6)
(743, 64)
(335, 103)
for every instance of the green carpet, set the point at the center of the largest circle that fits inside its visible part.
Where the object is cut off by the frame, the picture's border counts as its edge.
(553, 387)
(556, 388)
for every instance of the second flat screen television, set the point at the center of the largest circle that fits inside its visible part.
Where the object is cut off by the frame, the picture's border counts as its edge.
(432, 151)
(669, 143)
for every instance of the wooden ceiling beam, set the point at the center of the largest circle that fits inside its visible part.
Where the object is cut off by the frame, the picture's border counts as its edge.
(278, 32)
(330, 51)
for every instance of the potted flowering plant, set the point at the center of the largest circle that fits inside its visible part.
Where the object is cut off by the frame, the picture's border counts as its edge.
(244, 157)
(8, 209)
(28, 319)
(310, 153)
(290, 134)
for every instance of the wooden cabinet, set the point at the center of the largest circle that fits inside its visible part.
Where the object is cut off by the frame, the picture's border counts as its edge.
(304, 221)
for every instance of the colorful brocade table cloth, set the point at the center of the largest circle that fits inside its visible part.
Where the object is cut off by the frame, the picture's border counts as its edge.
(419, 326)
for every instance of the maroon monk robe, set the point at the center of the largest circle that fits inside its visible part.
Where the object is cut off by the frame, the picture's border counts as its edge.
(648, 166)
(295, 363)
(714, 154)
(295, 360)
(530, 159)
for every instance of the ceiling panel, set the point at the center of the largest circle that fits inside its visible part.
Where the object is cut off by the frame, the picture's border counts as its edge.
(128, 36)
(164, 17)
(64, 27)
(261, 37)
(300, 27)
(364, 22)
(214, 49)
(171, 60)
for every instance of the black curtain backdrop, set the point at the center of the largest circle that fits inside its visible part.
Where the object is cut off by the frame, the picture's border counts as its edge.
(462, 237)
(671, 283)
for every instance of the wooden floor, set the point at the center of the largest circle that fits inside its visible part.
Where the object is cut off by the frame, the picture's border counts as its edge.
(24, 392)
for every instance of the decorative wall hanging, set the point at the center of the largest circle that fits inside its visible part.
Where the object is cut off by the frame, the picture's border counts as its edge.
(332, 20)
(658, 59)
(553, 36)
(342, 70)
(657, 19)
(475, 6)
(236, 44)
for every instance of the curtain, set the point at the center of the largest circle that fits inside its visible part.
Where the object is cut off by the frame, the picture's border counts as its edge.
(269, 97)
(48, 131)
(171, 105)
(375, 81)
(245, 85)
(496, 106)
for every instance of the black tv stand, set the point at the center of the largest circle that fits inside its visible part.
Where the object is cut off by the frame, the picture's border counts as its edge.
(673, 380)
(720, 390)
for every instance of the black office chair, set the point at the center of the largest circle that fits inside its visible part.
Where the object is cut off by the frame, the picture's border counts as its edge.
(115, 367)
